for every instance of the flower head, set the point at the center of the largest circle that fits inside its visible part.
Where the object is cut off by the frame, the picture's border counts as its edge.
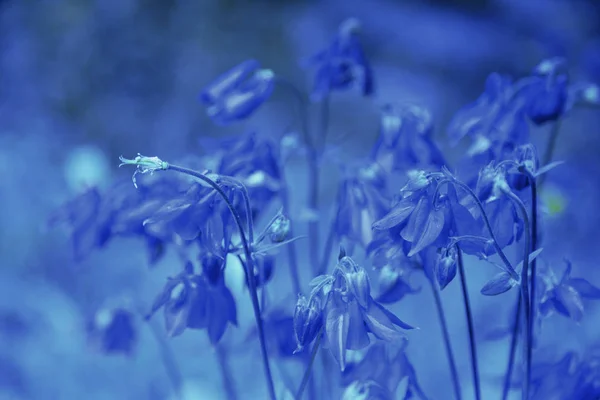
(113, 331)
(343, 64)
(237, 93)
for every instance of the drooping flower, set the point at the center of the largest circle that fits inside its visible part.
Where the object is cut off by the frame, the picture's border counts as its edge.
(361, 201)
(545, 94)
(113, 331)
(342, 65)
(197, 301)
(346, 311)
(405, 140)
(237, 93)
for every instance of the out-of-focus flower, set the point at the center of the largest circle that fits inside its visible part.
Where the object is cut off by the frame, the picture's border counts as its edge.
(237, 93)
(405, 140)
(113, 331)
(342, 65)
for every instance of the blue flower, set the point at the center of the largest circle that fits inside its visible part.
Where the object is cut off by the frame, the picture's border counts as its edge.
(565, 295)
(405, 140)
(349, 311)
(192, 301)
(545, 98)
(237, 93)
(361, 201)
(343, 64)
(113, 331)
(384, 371)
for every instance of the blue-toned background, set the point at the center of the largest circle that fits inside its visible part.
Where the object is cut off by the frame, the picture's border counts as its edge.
(83, 81)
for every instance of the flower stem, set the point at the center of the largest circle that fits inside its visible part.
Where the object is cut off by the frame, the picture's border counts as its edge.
(513, 349)
(470, 325)
(291, 247)
(534, 245)
(488, 225)
(226, 375)
(306, 377)
(550, 147)
(329, 242)
(168, 359)
(249, 268)
(447, 344)
(525, 290)
(313, 171)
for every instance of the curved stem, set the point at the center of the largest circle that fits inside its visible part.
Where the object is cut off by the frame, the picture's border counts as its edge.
(513, 349)
(447, 344)
(306, 377)
(470, 324)
(527, 348)
(249, 268)
(486, 220)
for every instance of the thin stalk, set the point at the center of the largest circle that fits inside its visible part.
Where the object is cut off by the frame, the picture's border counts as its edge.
(513, 350)
(327, 250)
(488, 225)
(291, 247)
(470, 324)
(226, 375)
(534, 245)
(307, 373)
(313, 171)
(447, 344)
(551, 146)
(168, 359)
(249, 268)
(525, 289)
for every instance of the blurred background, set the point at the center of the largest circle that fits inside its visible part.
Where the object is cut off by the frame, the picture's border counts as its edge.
(84, 81)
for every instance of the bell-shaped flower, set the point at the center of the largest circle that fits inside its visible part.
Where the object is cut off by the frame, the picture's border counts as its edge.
(405, 140)
(349, 319)
(113, 331)
(342, 65)
(361, 201)
(237, 93)
(197, 302)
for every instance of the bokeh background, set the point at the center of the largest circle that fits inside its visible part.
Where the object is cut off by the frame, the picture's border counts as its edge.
(84, 81)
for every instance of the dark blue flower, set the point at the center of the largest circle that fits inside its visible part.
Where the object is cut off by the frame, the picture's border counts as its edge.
(565, 295)
(405, 140)
(113, 331)
(350, 313)
(237, 93)
(361, 201)
(197, 301)
(343, 64)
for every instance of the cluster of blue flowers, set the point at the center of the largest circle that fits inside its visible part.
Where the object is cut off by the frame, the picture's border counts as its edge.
(401, 210)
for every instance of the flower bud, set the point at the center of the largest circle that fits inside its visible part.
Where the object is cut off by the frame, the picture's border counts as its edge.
(308, 320)
(280, 229)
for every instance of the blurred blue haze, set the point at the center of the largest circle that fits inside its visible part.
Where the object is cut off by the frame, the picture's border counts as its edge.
(85, 81)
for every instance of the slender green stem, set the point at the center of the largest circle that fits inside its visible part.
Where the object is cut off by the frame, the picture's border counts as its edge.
(534, 245)
(470, 324)
(307, 373)
(447, 344)
(226, 374)
(525, 290)
(513, 349)
(249, 268)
